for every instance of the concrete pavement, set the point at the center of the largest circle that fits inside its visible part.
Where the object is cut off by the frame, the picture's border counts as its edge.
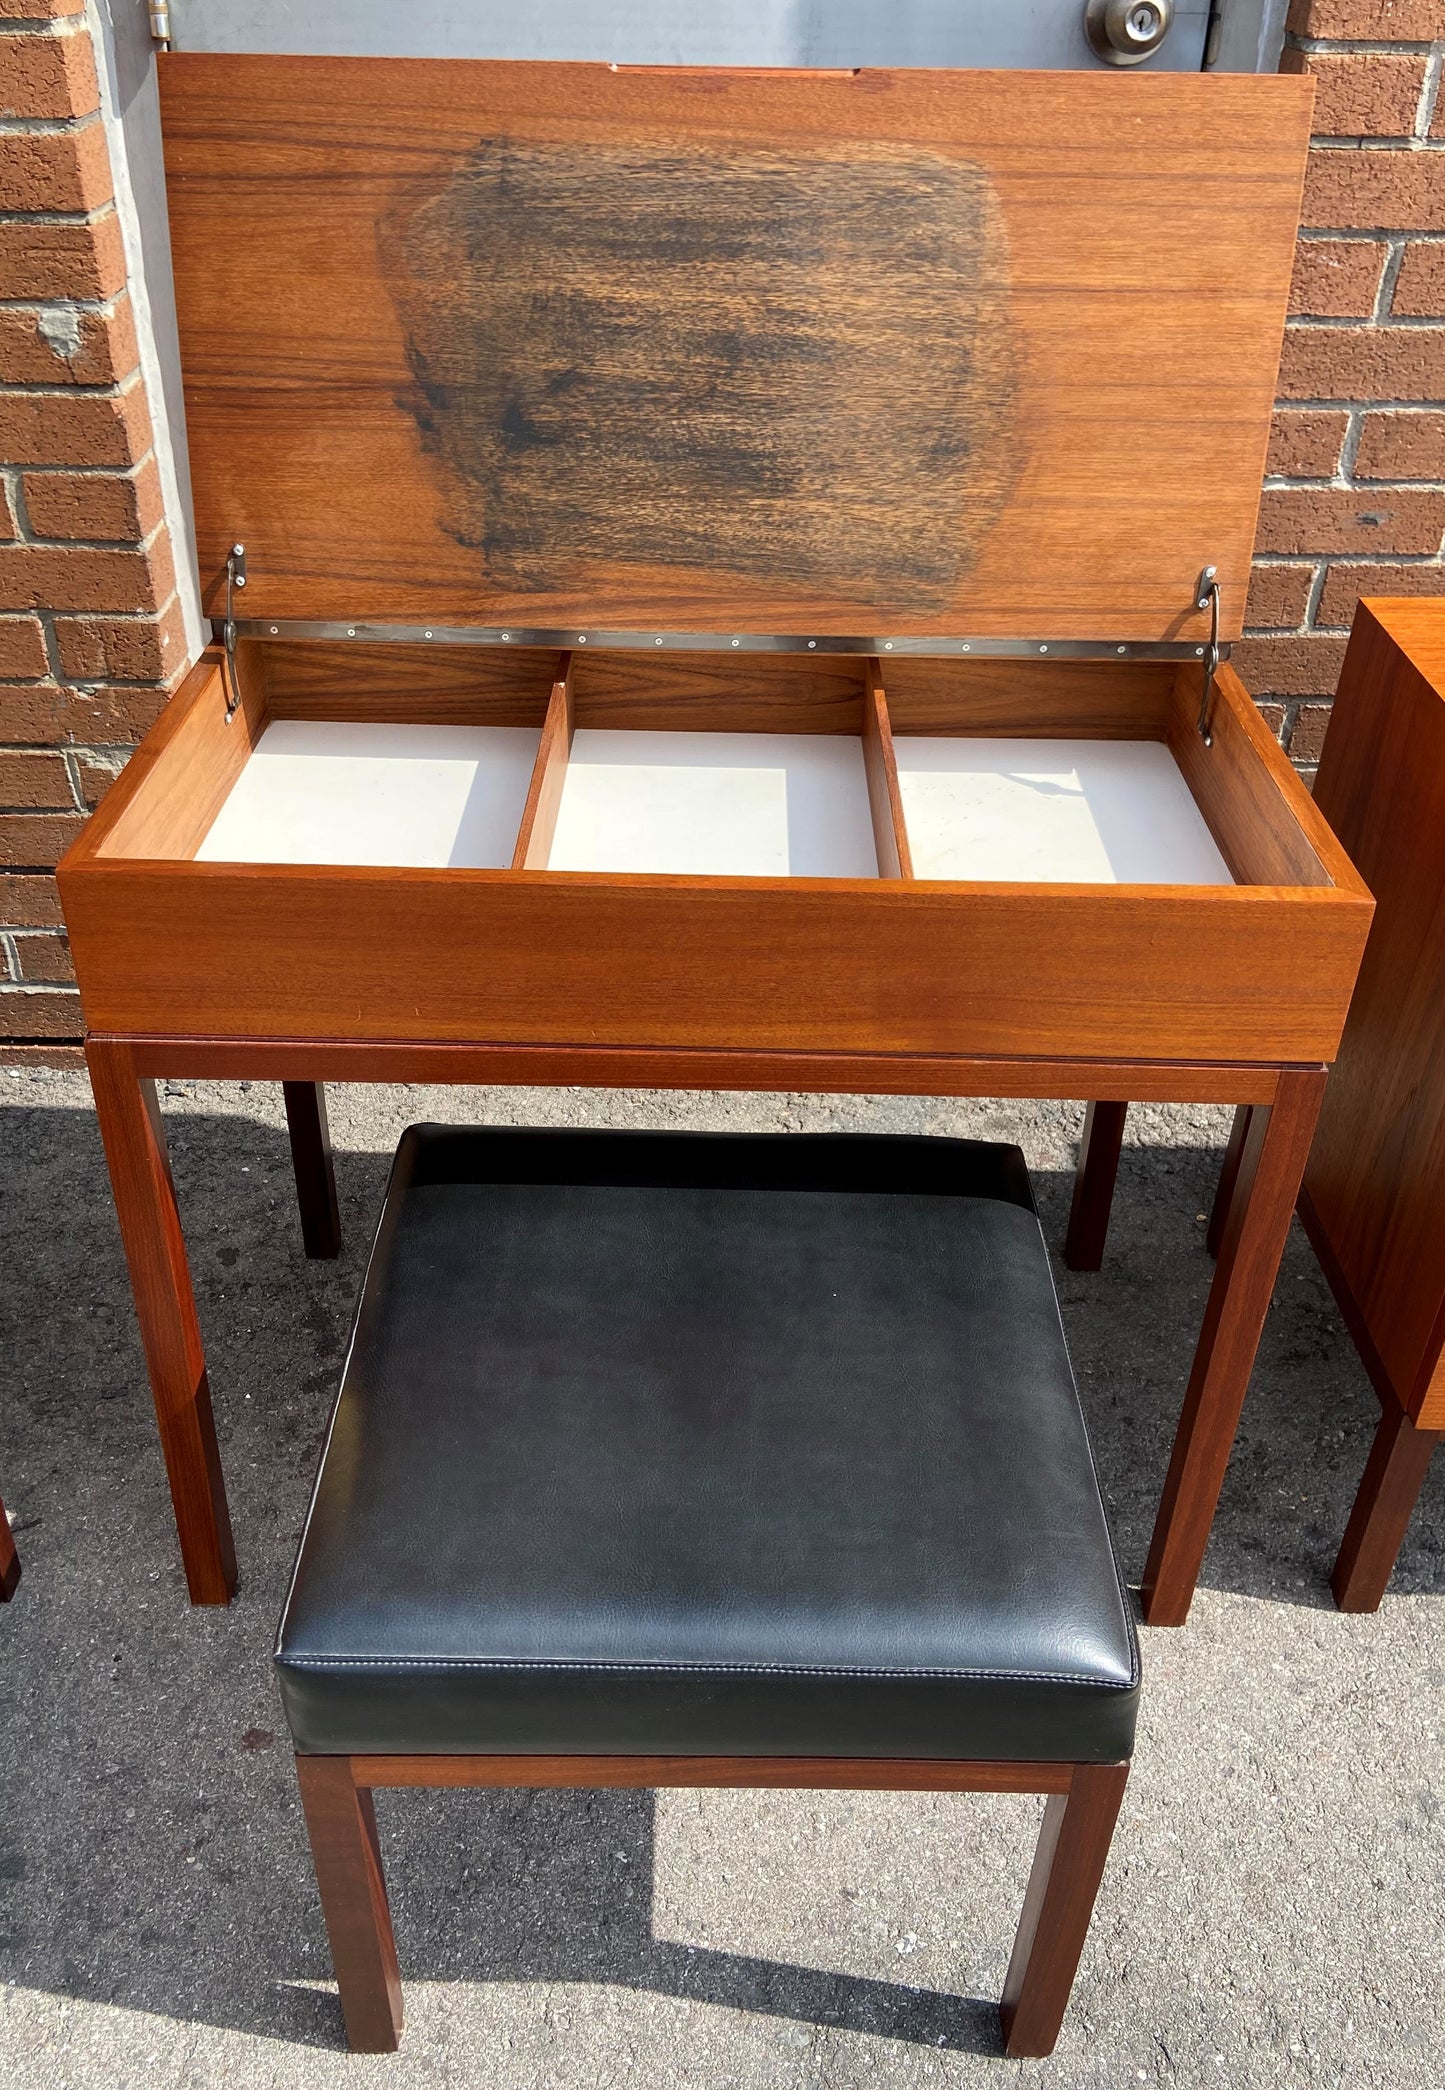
(1274, 1909)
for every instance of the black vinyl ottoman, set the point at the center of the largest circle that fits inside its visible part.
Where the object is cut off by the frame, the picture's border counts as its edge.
(707, 1459)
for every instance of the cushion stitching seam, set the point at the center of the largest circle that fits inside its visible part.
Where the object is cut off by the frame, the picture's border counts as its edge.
(1021, 1676)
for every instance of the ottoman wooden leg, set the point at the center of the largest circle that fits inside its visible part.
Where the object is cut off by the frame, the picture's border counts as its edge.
(1393, 1477)
(1068, 1866)
(315, 1175)
(341, 1822)
(9, 1560)
(1094, 1185)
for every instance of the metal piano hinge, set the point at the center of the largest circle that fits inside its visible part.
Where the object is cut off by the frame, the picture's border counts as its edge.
(1206, 597)
(235, 578)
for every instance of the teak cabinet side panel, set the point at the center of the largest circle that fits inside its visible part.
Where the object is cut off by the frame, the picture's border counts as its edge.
(827, 965)
(1376, 1177)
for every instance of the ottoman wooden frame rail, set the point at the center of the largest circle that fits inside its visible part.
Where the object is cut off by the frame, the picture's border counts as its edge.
(1053, 541)
(1073, 1847)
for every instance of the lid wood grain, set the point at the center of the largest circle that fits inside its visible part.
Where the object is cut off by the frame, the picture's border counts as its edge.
(922, 353)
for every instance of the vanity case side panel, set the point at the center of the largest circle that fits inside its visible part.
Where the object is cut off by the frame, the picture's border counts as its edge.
(370, 683)
(818, 965)
(1376, 1177)
(1031, 699)
(175, 783)
(665, 691)
(1268, 828)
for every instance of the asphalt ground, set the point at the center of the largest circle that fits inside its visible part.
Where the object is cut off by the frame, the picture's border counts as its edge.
(1274, 1907)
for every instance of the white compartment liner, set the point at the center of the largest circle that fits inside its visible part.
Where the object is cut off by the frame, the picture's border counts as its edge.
(768, 805)
(323, 792)
(1097, 812)
(751, 805)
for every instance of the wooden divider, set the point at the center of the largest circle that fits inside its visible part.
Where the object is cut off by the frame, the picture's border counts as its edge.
(549, 773)
(890, 835)
(544, 793)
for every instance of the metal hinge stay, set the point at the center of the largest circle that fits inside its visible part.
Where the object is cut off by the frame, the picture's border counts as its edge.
(1206, 597)
(235, 578)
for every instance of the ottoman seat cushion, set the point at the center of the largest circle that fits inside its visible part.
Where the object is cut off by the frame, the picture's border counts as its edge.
(694, 1444)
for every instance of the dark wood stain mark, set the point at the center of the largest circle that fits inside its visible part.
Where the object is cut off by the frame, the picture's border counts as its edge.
(765, 363)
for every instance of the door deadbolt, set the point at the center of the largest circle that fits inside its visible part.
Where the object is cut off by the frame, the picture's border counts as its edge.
(1126, 32)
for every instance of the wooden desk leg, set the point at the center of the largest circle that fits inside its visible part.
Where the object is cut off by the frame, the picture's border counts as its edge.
(1094, 1185)
(9, 1560)
(150, 1228)
(315, 1176)
(1068, 1866)
(1271, 1164)
(1228, 1177)
(1393, 1476)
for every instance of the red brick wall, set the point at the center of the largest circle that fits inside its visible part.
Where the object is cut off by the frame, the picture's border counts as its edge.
(1355, 501)
(91, 633)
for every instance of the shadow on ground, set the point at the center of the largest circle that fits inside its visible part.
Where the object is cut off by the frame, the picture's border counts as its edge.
(156, 1858)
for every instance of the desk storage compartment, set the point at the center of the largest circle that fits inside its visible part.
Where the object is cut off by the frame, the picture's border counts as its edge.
(750, 805)
(334, 792)
(1092, 812)
(714, 852)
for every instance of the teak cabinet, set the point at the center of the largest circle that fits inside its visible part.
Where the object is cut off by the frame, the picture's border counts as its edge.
(1373, 1202)
(723, 580)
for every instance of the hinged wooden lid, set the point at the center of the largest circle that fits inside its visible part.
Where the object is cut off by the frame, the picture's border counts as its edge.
(914, 353)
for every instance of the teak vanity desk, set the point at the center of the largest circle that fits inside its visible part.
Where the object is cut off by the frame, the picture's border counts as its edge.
(725, 606)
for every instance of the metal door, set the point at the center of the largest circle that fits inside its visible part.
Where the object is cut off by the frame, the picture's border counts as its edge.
(1169, 35)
